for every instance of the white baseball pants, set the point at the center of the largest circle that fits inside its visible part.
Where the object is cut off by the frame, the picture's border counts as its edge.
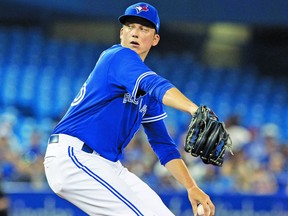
(96, 185)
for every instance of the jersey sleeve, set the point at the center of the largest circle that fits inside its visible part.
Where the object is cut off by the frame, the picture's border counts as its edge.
(132, 74)
(161, 142)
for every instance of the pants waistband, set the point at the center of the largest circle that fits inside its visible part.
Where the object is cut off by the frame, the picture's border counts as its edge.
(71, 141)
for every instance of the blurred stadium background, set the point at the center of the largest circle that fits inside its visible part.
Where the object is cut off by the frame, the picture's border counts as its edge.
(229, 55)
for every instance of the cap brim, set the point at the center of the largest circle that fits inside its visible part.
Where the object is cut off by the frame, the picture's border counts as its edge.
(122, 19)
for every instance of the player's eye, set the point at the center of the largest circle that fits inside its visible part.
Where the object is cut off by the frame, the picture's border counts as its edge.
(144, 29)
(129, 26)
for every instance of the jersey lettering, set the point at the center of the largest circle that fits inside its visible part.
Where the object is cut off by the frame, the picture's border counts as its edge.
(128, 98)
(143, 110)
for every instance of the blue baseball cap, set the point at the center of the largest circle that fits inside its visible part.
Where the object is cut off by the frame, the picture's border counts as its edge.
(142, 10)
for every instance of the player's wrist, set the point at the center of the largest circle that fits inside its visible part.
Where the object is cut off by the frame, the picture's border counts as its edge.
(191, 185)
(193, 109)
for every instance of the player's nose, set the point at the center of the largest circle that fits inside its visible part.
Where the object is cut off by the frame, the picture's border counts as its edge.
(135, 33)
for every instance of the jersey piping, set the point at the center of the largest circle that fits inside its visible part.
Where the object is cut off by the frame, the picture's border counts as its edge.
(154, 118)
(135, 89)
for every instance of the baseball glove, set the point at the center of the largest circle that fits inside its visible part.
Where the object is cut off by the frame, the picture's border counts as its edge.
(207, 137)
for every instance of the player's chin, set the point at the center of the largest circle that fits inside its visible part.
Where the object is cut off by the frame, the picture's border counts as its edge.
(136, 49)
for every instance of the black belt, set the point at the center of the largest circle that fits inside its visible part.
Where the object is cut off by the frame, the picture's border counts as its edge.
(55, 139)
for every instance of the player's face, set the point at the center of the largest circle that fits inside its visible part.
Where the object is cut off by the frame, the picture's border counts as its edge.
(139, 38)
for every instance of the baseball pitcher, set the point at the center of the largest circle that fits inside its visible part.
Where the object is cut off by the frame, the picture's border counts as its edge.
(121, 93)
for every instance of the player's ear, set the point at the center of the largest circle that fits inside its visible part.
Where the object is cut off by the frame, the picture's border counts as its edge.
(121, 33)
(156, 39)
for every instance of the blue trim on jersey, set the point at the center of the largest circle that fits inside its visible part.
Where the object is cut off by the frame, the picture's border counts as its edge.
(101, 181)
(135, 90)
(154, 118)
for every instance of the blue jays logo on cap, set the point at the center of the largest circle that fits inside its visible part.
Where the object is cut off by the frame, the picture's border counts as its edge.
(142, 10)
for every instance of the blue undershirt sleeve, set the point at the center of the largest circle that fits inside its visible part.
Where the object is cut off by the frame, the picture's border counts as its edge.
(161, 142)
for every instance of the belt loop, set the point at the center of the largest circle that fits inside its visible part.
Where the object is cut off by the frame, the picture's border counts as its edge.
(54, 138)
